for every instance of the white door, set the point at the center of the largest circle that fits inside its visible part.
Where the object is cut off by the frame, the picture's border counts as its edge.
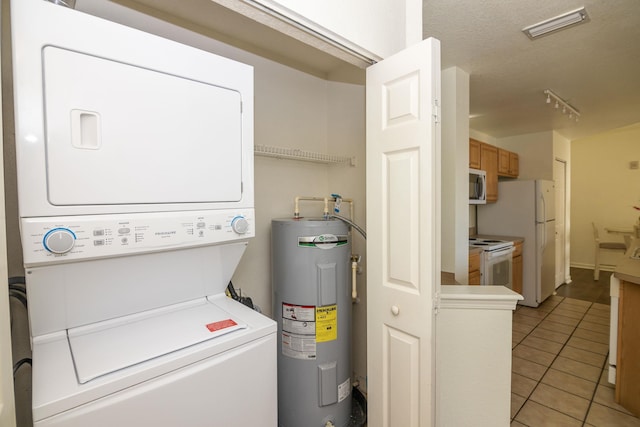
(403, 205)
(559, 176)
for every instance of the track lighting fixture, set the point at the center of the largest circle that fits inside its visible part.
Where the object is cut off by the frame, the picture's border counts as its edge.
(573, 113)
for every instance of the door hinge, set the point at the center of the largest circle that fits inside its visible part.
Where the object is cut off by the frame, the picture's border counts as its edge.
(436, 111)
(436, 302)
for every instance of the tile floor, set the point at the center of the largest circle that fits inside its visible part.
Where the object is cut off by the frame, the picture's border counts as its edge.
(559, 371)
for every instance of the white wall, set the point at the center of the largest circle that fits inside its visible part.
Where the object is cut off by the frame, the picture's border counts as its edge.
(535, 151)
(455, 162)
(397, 23)
(604, 191)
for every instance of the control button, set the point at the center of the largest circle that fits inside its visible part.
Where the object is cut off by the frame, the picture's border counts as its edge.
(240, 225)
(124, 240)
(99, 242)
(98, 233)
(217, 227)
(201, 225)
(124, 230)
(59, 240)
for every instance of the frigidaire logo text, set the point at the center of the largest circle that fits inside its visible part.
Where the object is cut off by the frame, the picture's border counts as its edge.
(164, 233)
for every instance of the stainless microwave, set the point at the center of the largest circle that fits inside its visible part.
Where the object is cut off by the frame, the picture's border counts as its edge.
(477, 186)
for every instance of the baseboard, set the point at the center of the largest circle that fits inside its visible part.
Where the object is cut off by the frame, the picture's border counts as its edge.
(603, 267)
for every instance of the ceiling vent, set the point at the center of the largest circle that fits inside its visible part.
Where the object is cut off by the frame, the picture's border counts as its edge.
(561, 22)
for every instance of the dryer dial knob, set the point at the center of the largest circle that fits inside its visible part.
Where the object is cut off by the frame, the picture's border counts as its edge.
(59, 240)
(240, 225)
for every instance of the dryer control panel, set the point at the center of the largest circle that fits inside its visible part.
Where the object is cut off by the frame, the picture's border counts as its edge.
(75, 238)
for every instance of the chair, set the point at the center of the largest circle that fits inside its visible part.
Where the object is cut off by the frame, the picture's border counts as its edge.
(603, 245)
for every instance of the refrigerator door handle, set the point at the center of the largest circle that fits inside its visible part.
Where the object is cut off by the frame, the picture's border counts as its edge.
(544, 220)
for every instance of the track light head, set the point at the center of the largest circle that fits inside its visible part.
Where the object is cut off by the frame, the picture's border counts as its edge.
(565, 105)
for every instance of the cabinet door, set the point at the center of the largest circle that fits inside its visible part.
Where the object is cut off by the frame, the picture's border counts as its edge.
(474, 277)
(514, 165)
(474, 269)
(503, 162)
(517, 274)
(474, 154)
(489, 164)
(628, 371)
(516, 269)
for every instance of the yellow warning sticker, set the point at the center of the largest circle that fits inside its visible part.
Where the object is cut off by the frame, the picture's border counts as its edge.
(326, 323)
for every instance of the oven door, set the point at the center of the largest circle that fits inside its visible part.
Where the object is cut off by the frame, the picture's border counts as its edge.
(497, 267)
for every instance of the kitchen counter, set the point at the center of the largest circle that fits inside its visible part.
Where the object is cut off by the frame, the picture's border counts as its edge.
(491, 236)
(628, 269)
(448, 278)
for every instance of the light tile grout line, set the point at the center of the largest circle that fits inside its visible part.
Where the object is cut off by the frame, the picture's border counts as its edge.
(554, 359)
(595, 391)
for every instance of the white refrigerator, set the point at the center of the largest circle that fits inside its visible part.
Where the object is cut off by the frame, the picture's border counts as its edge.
(526, 209)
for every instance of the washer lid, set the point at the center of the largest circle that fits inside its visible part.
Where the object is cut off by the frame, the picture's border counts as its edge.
(105, 347)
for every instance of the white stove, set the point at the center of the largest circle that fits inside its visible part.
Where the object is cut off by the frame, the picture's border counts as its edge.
(489, 245)
(495, 261)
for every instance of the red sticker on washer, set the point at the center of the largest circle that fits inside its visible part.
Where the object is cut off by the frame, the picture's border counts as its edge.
(222, 324)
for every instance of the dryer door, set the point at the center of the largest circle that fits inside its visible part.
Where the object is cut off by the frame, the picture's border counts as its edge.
(122, 134)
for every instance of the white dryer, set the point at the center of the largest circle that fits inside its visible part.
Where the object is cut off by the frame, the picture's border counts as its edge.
(135, 186)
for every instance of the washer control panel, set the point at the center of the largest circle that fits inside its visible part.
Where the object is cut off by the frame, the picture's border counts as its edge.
(64, 239)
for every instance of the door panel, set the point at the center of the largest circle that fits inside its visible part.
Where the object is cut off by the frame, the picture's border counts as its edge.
(403, 181)
(559, 175)
(401, 172)
(402, 360)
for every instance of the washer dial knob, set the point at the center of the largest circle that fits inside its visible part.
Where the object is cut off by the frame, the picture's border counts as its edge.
(59, 240)
(240, 225)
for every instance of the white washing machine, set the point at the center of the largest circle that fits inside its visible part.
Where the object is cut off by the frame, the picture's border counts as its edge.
(135, 186)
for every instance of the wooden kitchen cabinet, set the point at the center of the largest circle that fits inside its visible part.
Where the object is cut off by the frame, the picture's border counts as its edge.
(516, 269)
(514, 165)
(628, 369)
(489, 164)
(508, 163)
(495, 162)
(474, 154)
(503, 162)
(474, 268)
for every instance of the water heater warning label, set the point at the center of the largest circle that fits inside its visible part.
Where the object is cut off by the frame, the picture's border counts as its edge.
(299, 331)
(327, 323)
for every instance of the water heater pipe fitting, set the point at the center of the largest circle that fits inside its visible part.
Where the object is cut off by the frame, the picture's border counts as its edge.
(326, 200)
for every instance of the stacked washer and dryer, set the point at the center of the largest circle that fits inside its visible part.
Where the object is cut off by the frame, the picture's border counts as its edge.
(135, 184)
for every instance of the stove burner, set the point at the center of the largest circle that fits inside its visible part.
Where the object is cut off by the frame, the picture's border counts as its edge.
(489, 245)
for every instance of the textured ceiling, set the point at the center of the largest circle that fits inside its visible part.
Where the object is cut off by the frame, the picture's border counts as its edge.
(595, 66)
